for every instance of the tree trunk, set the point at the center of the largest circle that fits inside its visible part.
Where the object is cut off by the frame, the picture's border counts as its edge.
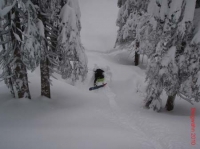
(170, 103)
(20, 78)
(44, 66)
(137, 58)
(44, 62)
(197, 4)
(45, 84)
(147, 104)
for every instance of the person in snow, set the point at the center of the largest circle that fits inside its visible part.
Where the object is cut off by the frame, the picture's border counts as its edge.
(98, 76)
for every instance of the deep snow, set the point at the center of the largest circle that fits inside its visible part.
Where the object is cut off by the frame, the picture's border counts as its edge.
(109, 118)
(98, 21)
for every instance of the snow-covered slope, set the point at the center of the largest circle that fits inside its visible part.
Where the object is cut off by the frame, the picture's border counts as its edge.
(109, 118)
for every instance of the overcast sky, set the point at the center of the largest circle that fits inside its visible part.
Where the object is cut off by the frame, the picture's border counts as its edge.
(98, 19)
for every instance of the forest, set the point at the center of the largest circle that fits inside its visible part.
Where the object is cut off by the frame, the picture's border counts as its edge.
(46, 72)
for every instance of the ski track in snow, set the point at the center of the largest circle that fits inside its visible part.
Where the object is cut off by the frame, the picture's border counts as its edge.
(126, 121)
(111, 96)
(117, 116)
(159, 138)
(140, 126)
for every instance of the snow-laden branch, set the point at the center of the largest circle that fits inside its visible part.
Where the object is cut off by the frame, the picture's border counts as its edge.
(7, 9)
(185, 98)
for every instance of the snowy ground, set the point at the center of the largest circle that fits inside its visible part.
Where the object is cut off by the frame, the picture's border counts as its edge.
(109, 118)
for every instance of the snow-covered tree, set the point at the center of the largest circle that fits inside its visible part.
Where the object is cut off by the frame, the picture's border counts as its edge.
(123, 15)
(129, 20)
(13, 58)
(73, 64)
(31, 45)
(189, 64)
(44, 61)
(129, 16)
(48, 18)
(5, 45)
(21, 45)
(52, 58)
(174, 29)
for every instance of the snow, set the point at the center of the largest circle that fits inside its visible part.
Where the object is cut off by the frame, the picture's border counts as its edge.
(196, 17)
(151, 5)
(196, 21)
(2, 3)
(75, 5)
(6, 9)
(169, 57)
(175, 9)
(112, 117)
(189, 10)
(17, 36)
(196, 38)
(40, 27)
(98, 19)
(153, 22)
(164, 9)
(68, 19)
(153, 9)
(67, 15)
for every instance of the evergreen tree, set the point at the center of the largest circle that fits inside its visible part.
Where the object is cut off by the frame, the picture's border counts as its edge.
(73, 64)
(129, 20)
(123, 15)
(48, 12)
(21, 47)
(5, 45)
(174, 29)
(189, 65)
(6, 49)
(12, 57)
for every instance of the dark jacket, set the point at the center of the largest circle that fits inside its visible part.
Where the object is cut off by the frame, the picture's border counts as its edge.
(98, 75)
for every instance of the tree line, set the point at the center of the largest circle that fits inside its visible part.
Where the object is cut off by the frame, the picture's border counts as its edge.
(43, 33)
(165, 31)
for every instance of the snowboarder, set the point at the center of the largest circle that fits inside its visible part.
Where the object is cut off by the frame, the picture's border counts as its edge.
(98, 76)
